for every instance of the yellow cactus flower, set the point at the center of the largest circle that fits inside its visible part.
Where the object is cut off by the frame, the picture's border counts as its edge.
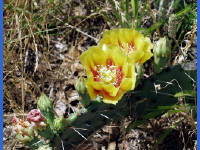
(109, 73)
(136, 46)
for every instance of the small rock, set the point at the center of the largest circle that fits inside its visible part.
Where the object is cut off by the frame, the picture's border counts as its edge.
(60, 108)
(112, 146)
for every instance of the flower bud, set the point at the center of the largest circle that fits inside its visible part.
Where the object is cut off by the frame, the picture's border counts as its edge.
(162, 51)
(28, 131)
(82, 91)
(42, 126)
(35, 116)
(60, 123)
(44, 103)
(24, 134)
(80, 86)
(162, 47)
(140, 72)
(24, 138)
(45, 147)
(15, 120)
(18, 125)
(36, 119)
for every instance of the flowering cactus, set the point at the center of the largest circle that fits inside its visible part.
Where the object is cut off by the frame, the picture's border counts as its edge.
(110, 66)
(109, 73)
(137, 47)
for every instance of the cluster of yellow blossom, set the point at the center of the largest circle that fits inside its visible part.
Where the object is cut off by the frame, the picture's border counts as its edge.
(110, 66)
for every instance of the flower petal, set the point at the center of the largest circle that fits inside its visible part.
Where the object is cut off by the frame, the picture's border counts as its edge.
(137, 47)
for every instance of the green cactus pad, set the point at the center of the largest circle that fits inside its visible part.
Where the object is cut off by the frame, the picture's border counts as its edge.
(158, 90)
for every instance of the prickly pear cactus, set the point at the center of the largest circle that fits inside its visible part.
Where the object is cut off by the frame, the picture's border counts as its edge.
(158, 90)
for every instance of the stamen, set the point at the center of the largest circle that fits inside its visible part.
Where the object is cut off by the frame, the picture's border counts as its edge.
(109, 74)
(130, 46)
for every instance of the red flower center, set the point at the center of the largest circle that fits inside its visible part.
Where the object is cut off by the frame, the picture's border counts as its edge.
(108, 74)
